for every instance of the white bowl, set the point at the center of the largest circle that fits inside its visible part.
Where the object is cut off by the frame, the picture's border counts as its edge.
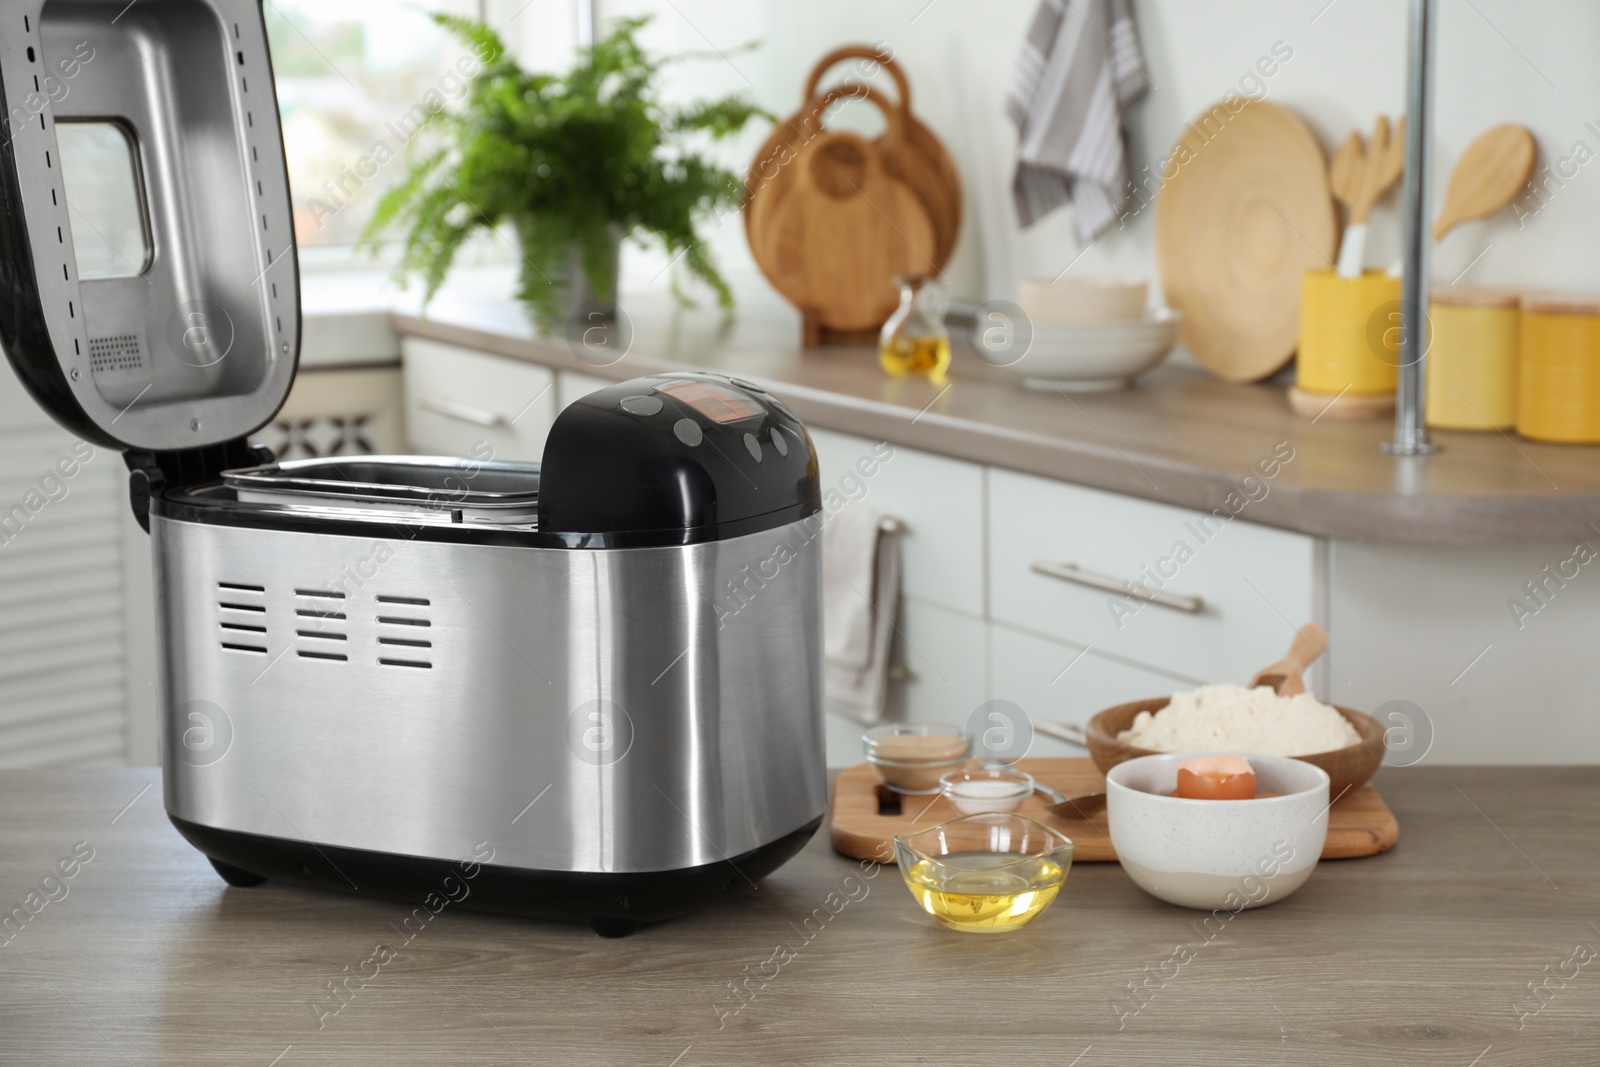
(1082, 298)
(1217, 854)
(1096, 356)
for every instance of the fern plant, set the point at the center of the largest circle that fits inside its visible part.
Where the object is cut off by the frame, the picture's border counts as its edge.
(569, 162)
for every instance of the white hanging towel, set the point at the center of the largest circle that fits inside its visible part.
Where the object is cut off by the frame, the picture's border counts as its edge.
(861, 598)
(1080, 67)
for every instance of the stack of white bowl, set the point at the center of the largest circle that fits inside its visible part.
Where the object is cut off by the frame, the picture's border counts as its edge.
(1091, 334)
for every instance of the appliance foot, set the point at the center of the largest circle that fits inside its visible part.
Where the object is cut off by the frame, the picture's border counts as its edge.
(613, 927)
(236, 876)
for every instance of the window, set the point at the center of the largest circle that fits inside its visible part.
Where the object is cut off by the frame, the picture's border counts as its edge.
(354, 79)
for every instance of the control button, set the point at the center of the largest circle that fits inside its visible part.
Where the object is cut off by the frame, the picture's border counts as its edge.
(641, 405)
(779, 443)
(742, 384)
(688, 432)
(754, 446)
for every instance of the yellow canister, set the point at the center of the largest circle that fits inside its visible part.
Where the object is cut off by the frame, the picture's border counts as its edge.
(1349, 333)
(1558, 381)
(1472, 358)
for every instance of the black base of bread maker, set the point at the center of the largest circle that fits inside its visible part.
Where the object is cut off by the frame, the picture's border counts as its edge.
(613, 905)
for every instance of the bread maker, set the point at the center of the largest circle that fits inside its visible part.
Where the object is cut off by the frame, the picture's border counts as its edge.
(585, 689)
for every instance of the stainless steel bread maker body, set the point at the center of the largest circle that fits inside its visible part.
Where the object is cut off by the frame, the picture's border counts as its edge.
(585, 689)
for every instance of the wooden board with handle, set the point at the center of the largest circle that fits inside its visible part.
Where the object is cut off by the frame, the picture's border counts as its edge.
(1360, 824)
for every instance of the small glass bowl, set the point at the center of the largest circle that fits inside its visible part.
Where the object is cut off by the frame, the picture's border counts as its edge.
(910, 757)
(987, 788)
(985, 874)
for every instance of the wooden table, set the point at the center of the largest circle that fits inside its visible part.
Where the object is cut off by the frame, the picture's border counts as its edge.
(1423, 955)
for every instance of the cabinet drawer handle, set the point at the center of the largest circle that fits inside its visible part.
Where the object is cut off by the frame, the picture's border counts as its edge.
(1071, 572)
(452, 409)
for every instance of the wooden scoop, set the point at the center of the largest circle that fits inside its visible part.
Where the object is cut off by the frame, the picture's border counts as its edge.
(1359, 176)
(1286, 676)
(1492, 170)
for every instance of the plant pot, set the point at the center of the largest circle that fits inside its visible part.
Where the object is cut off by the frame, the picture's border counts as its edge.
(557, 291)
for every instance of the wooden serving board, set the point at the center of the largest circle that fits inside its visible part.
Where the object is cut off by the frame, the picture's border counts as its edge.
(862, 825)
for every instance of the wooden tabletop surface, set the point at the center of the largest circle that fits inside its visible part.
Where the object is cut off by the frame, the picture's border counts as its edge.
(1424, 955)
(1180, 437)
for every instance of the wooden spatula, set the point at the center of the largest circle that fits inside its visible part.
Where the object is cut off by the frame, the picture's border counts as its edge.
(1287, 675)
(1359, 176)
(1492, 170)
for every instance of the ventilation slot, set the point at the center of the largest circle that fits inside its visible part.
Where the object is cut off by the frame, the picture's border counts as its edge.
(241, 617)
(321, 626)
(400, 643)
(119, 352)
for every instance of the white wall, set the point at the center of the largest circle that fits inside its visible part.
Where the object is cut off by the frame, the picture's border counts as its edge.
(1499, 60)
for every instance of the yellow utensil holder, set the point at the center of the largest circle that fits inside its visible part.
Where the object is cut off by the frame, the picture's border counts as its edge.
(1472, 359)
(1349, 333)
(1558, 383)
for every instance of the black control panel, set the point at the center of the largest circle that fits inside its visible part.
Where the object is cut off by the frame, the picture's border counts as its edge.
(675, 459)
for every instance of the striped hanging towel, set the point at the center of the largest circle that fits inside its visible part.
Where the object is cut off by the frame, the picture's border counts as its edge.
(1080, 67)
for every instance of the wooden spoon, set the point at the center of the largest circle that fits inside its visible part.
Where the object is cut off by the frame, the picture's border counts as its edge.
(1492, 170)
(1359, 176)
(1286, 676)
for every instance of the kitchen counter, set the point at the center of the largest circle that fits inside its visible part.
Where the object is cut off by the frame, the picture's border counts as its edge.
(1181, 437)
(1422, 955)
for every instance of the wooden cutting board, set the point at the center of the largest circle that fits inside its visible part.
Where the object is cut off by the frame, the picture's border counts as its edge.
(864, 819)
(842, 235)
(1244, 212)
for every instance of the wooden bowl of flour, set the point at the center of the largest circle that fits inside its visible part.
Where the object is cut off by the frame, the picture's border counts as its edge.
(1347, 767)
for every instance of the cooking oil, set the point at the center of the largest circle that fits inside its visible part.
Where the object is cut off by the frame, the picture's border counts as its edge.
(985, 892)
(902, 356)
(914, 340)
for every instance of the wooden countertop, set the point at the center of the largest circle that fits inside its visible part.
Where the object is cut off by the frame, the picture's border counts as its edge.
(1422, 955)
(1181, 437)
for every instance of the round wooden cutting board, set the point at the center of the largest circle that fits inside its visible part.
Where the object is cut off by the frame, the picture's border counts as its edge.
(1245, 211)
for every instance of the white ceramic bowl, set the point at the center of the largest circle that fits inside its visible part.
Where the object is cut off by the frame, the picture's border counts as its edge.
(1096, 356)
(1217, 854)
(1082, 298)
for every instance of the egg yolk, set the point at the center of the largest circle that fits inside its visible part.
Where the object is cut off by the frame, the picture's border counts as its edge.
(1216, 778)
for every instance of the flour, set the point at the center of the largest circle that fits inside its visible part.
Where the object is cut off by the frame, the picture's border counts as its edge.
(1231, 718)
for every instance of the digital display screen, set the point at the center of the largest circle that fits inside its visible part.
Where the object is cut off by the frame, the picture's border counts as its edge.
(715, 402)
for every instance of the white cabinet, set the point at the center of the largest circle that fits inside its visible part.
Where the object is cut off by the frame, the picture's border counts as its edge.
(941, 675)
(1435, 626)
(1233, 592)
(458, 402)
(938, 501)
(570, 385)
(1058, 682)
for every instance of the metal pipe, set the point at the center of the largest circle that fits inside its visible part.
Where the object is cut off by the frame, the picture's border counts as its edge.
(1410, 431)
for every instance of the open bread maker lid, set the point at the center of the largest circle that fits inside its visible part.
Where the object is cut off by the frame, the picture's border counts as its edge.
(149, 293)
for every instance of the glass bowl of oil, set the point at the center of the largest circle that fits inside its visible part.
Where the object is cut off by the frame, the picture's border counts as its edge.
(985, 874)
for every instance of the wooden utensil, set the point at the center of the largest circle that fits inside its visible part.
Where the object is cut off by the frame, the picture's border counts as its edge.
(1348, 767)
(841, 236)
(1359, 177)
(1492, 170)
(1244, 214)
(1286, 676)
(864, 816)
